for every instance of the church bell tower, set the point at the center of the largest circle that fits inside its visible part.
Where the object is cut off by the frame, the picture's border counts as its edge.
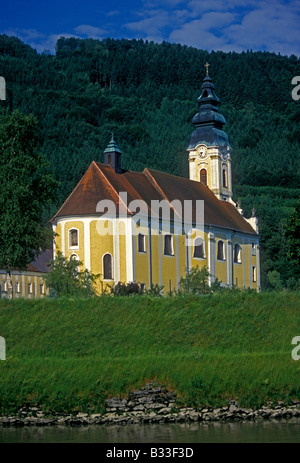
(209, 149)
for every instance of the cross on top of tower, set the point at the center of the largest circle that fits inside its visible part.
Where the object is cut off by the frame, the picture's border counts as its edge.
(206, 66)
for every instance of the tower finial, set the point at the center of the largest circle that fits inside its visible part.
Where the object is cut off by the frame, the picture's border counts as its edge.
(206, 66)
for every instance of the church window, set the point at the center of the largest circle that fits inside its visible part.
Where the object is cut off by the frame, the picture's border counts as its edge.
(203, 176)
(73, 238)
(29, 288)
(109, 159)
(253, 249)
(17, 287)
(221, 251)
(224, 176)
(141, 243)
(254, 273)
(168, 245)
(107, 267)
(42, 288)
(237, 259)
(199, 248)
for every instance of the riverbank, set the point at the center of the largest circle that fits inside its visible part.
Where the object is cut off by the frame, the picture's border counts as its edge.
(152, 404)
(67, 357)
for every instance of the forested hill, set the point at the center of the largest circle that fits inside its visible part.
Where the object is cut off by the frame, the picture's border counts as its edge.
(146, 94)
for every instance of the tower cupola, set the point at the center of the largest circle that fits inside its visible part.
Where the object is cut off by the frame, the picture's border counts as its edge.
(209, 148)
(208, 122)
(112, 155)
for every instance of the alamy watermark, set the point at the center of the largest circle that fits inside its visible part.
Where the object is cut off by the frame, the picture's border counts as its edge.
(296, 90)
(2, 349)
(295, 354)
(2, 88)
(169, 216)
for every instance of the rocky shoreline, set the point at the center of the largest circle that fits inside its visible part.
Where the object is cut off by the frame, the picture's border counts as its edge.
(152, 404)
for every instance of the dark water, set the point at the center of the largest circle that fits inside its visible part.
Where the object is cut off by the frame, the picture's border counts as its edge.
(259, 432)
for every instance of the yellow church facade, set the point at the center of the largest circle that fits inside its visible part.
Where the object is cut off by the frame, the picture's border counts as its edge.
(150, 264)
(150, 227)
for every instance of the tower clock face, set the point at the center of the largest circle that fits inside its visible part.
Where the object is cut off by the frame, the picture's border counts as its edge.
(202, 152)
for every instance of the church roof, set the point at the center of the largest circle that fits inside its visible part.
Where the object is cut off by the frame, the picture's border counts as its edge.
(41, 263)
(102, 182)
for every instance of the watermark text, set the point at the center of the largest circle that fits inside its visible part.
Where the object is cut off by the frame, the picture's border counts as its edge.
(296, 350)
(296, 90)
(2, 88)
(2, 349)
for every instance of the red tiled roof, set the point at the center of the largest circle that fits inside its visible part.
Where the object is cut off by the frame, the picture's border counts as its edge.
(41, 263)
(102, 182)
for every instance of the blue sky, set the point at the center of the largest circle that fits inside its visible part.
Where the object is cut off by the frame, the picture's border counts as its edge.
(228, 25)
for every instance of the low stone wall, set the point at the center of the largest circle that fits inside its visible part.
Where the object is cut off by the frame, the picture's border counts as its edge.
(152, 404)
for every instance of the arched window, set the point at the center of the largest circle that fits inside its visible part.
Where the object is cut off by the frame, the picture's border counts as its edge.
(107, 267)
(253, 273)
(224, 176)
(199, 248)
(203, 176)
(237, 254)
(73, 238)
(76, 259)
(221, 250)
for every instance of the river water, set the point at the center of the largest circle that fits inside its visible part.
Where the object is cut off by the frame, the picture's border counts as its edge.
(240, 432)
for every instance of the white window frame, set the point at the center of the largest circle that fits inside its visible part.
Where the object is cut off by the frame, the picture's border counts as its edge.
(17, 287)
(203, 247)
(144, 243)
(112, 268)
(69, 234)
(239, 255)
(254, 276)
(171, 245)
(223, 259)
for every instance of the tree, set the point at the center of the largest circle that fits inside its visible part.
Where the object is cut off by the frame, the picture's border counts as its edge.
(195, 282)
(292, 233)
(65, 278)
(26, 188)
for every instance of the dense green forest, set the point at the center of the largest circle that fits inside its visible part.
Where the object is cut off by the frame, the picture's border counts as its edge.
(146, 94)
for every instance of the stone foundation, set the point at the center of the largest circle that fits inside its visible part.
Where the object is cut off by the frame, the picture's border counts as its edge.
(152, 404)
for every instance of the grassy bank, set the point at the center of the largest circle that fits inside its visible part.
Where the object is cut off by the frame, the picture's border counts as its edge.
(66, 354)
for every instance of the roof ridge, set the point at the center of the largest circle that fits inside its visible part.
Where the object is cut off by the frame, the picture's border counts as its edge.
(113, 189)
(158, 188)
(71, 194)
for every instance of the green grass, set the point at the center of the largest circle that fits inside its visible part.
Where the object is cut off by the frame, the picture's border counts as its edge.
(69, 355)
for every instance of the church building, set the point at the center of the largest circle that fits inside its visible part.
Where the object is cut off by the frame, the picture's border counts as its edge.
(150, 227)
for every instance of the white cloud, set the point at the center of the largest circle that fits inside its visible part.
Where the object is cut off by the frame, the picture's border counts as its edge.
(228, 25)
(196, 35)
(272, 27)
(89, 31)
(151, 25)
(38, 40)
